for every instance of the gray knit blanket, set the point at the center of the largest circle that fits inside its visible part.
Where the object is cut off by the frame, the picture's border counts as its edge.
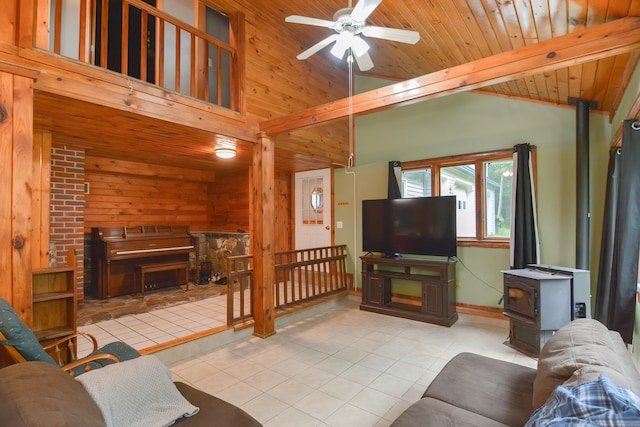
(137, 392)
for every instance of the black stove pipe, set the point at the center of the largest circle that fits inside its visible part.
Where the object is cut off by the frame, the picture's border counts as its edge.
(582, 181)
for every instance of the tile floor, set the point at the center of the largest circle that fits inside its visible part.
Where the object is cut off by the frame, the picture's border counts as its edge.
(158, 326)
(338, 366)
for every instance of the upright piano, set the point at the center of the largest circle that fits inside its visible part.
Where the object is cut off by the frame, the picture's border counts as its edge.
(117, 251)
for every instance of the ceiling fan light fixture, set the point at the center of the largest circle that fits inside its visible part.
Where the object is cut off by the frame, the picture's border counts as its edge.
(349, 24)
(342, 44)
(359, 46)
(225, 153)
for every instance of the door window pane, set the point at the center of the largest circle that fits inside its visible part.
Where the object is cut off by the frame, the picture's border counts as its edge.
(460, 181)
(498, 178)
(312, 201)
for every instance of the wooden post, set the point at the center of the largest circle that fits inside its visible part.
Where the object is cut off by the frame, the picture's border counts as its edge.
(263, 238)
(16, 148)
(41, 199)
(26, 23)
(8, 24)
(201, 56)
(237, 38)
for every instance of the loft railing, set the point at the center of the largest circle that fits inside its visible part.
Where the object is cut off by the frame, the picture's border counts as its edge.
(300, 276)
(141, 41)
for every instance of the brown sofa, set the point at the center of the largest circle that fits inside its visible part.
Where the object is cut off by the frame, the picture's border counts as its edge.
(474, 390)
(39, 394)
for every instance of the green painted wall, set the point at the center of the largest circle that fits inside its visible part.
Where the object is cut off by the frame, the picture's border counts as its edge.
(468, 123)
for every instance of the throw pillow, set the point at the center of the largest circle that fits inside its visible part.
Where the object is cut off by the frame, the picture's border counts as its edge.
(19, 335)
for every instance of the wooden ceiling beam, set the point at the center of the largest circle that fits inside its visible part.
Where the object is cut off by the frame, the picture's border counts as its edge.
(606, 40)
(97, 88)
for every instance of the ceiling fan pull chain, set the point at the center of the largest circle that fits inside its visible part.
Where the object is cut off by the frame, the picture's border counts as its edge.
(350, 123)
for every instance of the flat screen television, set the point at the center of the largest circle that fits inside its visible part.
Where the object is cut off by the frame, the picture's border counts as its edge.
(413, 226)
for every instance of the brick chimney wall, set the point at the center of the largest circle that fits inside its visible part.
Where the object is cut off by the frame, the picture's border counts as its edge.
(67, 209)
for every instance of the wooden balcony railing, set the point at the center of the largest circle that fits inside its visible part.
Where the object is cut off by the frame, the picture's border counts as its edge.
(138, 40)
(300, 276)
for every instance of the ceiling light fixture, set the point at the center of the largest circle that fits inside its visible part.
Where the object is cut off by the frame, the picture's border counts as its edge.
(225, 153)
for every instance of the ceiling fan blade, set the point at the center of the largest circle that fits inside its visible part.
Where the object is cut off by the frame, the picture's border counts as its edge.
(394, 34)
(316, 47)
(363, 9)
(297, 19)
(364, 62)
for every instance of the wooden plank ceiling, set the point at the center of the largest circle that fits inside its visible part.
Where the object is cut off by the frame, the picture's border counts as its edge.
(454, 32)
(576, 48)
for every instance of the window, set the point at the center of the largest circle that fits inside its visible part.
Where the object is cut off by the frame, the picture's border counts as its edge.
(460, 181)
(498, 176)
(482, 184)
(416, 183)
(219, 81)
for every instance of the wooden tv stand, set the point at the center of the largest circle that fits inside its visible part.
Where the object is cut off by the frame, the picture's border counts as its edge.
(437, 280)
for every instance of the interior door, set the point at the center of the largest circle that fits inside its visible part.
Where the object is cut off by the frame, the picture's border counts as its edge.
(313, 205)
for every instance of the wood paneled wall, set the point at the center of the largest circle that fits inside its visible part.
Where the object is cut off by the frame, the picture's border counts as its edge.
(283, 197)
(230, 209)
(124, 193)
(228, 203)
(278, 84)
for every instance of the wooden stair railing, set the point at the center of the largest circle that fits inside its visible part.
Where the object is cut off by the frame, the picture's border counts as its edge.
(301, 276)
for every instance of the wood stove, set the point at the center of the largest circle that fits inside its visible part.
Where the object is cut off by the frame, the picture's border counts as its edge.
(537, 303)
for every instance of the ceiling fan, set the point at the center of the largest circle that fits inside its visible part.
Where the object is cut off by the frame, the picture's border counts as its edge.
(349, 25)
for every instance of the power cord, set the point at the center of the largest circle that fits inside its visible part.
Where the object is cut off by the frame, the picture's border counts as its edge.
(479, 279)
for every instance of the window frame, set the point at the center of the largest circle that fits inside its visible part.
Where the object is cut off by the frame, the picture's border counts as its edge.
(478, 160)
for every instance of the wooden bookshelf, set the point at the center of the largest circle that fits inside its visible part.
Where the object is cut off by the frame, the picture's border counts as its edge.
(54, 303)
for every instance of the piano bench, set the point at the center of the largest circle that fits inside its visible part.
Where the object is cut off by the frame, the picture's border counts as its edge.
(163, 266)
